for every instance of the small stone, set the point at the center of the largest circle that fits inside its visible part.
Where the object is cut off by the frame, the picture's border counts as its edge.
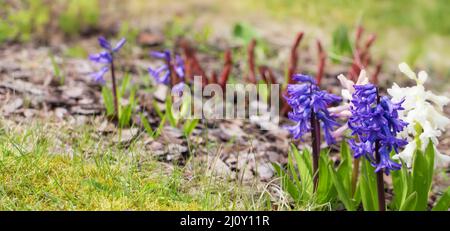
(220, 168)
(161, 92)
(12, 106)
(126, 136)
(155, 146)
(60, 112)
(265, 171)
(86, 101)
(73, 92)
(28, 113)
(246, 175)
(273, 156)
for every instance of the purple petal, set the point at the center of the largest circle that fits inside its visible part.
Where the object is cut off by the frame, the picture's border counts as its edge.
(98, 76)
(119, 45)
(104, 43)
(102, 57)
(178, 89)
(304, 78)
(180, 72)
(160, 55)
(161, 75)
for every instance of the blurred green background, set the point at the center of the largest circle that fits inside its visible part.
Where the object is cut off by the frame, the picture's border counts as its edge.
(407, 30)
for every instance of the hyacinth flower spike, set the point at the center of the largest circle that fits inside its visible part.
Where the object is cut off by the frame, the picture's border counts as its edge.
(375, 124)
(171, 72)
(106, 57)
(343, 112)
(424, 115)
(309, 111)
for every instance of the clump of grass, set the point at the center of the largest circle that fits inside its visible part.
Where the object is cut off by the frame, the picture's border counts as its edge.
(43, 168)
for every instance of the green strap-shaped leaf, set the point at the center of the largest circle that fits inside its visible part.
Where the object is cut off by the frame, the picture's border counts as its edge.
(410, 203)
(401, 181)
(443, 204)
(422, 175)
(343, 193)
(325, 188)
(368, 187)
(287, 183)
(146, 125)
(169, 113)
(108, 100)
(190, 126)
(304, 167)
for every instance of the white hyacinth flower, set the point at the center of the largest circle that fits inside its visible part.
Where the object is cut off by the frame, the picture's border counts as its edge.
(424, 109)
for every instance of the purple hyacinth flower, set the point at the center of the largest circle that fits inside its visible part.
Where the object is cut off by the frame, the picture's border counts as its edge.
(304, 78)
(374, 122)
(98, 76)
(105, 44)
(102, 57)
(162, 74)
(386, 163)
(305, 98)
(105, 57)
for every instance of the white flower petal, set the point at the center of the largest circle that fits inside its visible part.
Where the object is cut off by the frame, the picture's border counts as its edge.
(405, 69)
(421, 108)
(423, 76)
(407, 154)
(362, 79)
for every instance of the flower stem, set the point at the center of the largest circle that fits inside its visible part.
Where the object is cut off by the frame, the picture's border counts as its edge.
(315, 135)
(114, 90)
(380, 181)
(355, 175)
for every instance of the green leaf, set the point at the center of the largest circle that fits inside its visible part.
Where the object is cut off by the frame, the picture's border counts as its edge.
(345, 154)
(422, 175)
(345, 168)
(244, 32)
(286, 183)
(325, 188)
(157, 110)
(291, 168)
(190, 126)
(57, 70)
(343, 192)
(443, 204)
(160, 128)
(410, 203)
(125, 115)
(304, 167)
(127, 111)
(341, 44)
(146, 125)
(303, 178)
(368, 187)
(401, 181)
(169, 113)
(342, 178)
(108, 100)
(124, 85)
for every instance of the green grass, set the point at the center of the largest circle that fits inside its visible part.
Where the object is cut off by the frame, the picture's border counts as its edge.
(46, 167)
(407, 30)
(421, 16)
